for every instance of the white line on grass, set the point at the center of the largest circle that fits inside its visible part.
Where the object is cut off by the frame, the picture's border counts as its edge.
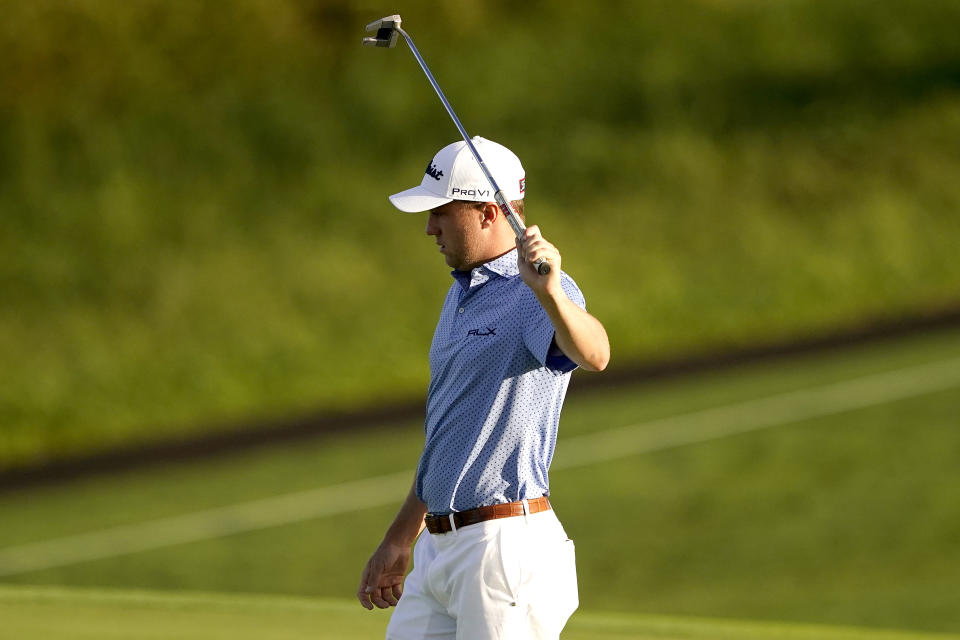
(205, 525)
(750, 415)
(653, 435)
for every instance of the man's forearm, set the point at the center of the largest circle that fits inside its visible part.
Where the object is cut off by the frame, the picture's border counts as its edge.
(409, 521)
(578, 334)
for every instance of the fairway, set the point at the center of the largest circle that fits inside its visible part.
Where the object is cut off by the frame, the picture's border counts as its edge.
(218, 337)
(773, 491)
(70, 614)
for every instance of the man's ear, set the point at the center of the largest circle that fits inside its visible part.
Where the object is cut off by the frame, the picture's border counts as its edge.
(489, 213)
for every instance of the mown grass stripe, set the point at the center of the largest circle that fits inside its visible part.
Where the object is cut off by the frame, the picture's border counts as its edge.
(646, 437)
(734, 629)
(205, 525)
(250, 608)
(751, 415)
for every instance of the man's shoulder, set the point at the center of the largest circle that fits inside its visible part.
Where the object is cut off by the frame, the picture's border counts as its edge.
(570, 287)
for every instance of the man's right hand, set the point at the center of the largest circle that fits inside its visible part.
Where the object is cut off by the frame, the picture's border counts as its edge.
(382, 580)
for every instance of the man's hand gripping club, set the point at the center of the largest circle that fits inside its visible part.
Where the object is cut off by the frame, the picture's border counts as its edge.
(578, 334)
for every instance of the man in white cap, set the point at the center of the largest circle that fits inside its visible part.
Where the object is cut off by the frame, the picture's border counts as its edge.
(496, 563)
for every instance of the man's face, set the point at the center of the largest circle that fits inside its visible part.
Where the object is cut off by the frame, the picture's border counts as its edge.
(457, 226)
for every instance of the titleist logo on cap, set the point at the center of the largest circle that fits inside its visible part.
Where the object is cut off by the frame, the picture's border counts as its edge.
(433, 172)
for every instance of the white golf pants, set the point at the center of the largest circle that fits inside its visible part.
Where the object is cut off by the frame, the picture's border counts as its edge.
(506, 579)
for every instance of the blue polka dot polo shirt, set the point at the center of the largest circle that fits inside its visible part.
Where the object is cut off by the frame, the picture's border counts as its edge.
(497, 383)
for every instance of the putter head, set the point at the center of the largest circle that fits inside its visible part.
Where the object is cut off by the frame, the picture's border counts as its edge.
(386, 29)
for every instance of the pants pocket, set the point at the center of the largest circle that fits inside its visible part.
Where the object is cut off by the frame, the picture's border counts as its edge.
(556, 594)
(503, 568)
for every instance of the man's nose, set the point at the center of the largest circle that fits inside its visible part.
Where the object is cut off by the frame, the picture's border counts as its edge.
(431, 227)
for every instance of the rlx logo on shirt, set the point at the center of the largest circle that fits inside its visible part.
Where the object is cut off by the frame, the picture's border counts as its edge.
(490, 331)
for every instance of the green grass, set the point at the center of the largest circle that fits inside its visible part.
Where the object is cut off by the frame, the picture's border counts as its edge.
(62, 614)
(196, 229)
(846, 519)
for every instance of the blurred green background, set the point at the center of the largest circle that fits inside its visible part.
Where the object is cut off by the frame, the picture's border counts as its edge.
(193, 194)
(194, 231)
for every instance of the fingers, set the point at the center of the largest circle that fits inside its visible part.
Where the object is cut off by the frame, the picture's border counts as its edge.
(389, 595)
(532, 246)
(375, 590)
(367, 588)
(530, 234)
(363, 595)
(539, 249)
(381, 597)
(364, 598)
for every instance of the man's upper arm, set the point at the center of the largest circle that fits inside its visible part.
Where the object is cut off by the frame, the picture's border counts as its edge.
(538, 331)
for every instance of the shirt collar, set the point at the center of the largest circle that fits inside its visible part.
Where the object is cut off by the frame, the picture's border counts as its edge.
(504, 266)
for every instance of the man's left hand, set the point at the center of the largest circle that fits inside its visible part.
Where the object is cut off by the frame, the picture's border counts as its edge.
(531, 247)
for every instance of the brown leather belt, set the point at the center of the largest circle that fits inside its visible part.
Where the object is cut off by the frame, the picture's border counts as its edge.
(441, 523)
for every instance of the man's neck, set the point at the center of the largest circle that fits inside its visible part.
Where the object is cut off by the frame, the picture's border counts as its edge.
(491, 257)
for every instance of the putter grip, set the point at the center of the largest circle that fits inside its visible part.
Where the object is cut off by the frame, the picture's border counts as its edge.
(543, 267)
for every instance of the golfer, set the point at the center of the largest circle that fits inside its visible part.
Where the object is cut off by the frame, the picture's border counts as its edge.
(496, 562)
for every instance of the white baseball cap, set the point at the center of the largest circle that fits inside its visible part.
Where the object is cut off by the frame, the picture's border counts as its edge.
(454, 174)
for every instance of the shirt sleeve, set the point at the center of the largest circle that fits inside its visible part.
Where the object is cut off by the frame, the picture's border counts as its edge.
(538, 331)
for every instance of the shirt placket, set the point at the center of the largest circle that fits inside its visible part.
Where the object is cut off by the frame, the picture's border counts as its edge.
(477, 279)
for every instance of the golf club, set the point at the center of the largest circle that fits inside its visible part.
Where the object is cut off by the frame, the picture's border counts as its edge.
(387, 29)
